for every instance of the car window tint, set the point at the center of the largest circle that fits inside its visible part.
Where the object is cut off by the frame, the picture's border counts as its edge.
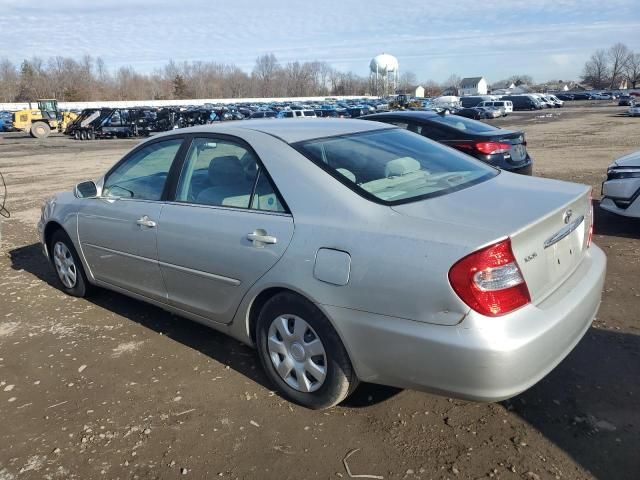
(395, 166)
(464, 124)
(399, 124)
(143, 174)
(436, 132)
(217, 172)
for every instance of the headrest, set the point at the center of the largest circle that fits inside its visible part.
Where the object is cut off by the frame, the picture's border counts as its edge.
(223, 170)
(401, 166)
(347, 173)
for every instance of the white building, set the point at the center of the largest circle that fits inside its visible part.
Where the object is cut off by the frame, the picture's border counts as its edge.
(419, 92)
(473, 86)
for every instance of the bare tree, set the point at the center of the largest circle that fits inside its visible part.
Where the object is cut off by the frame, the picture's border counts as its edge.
(408, 81)
(618, 56)
(431, 88)
(452, 83)
(632, 69)
(265, 72)
(596, 70)
(9, 81)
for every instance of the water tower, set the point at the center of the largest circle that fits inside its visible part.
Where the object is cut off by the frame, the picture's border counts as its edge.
(384, 74)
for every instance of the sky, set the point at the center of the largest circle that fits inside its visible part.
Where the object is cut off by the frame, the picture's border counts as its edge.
(547, 39)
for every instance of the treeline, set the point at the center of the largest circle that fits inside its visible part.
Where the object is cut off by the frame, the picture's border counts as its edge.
(89, 79)
(611, 67)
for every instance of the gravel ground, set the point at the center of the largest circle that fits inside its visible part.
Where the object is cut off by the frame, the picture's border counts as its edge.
(109, 387)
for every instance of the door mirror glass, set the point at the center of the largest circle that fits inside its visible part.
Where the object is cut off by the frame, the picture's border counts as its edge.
(86, 190)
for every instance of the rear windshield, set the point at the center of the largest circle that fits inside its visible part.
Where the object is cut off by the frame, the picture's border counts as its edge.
(464, 124)
(395, 166)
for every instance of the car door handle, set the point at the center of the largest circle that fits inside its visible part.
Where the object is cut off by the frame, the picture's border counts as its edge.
(260, 238)
(146, 222)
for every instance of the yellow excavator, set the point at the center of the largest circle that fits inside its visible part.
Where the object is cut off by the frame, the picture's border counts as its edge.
(404, 102)
(41, 121)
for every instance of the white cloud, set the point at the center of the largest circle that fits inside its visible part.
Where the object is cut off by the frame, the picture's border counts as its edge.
(433, 38)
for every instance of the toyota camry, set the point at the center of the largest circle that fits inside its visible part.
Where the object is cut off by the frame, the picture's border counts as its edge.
(344, 251)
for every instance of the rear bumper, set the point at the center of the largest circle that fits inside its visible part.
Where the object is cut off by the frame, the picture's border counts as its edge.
(483, 359)
(498, 160)
(633, 210)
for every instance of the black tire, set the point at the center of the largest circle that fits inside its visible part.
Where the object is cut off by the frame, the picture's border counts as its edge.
(40, 130)
(76, 135)
(92, 135)
(340, 379)
(81, 287)
(84, 135)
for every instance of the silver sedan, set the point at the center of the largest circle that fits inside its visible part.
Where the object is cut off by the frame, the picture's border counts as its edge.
(344, 251)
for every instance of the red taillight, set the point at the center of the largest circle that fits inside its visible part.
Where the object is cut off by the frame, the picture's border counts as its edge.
(490, 281)
(489, 148)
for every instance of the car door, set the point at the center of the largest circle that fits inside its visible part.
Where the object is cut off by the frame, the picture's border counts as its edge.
(226, 227)
(117, 231)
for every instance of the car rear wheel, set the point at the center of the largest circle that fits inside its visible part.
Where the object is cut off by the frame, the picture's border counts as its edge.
(68, 266)
(302, 353)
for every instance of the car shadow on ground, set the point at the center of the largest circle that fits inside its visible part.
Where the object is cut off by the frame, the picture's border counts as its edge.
(612, 225)
(589, 406)
(216, 345)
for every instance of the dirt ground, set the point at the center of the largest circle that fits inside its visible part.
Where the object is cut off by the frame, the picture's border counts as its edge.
(113, 388)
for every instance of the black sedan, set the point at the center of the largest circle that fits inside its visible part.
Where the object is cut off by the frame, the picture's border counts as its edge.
(505, 149)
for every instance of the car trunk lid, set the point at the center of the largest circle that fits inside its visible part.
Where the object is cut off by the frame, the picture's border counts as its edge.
(547, 220)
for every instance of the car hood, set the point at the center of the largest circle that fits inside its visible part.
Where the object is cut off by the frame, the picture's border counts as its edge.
(631, 160)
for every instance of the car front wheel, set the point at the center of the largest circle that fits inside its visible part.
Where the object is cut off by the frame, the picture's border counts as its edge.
(302, 354)
(68, 266)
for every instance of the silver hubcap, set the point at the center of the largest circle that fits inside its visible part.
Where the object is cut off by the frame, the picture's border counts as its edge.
(65, 266)
(297, 353)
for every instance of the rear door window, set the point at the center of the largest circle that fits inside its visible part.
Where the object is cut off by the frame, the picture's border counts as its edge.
(220, 172)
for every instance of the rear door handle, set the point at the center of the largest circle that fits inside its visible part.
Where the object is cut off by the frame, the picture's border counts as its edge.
(146, 222)
(260, 238)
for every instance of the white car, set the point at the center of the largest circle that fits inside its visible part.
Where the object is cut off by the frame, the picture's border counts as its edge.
(506, 105)
(557, 102)
(621, 189)
(634, 110)
(297, 114)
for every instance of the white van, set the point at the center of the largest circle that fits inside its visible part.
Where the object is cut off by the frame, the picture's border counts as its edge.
(447, 101)
(507, 105)
(297, 114)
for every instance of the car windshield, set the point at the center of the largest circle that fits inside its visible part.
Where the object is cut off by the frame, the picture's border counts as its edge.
(464, 124)
(395, 166)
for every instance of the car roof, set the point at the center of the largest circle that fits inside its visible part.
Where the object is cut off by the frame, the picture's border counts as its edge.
(288, 130)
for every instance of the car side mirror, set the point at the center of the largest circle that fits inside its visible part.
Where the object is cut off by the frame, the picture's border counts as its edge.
(86, 190)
